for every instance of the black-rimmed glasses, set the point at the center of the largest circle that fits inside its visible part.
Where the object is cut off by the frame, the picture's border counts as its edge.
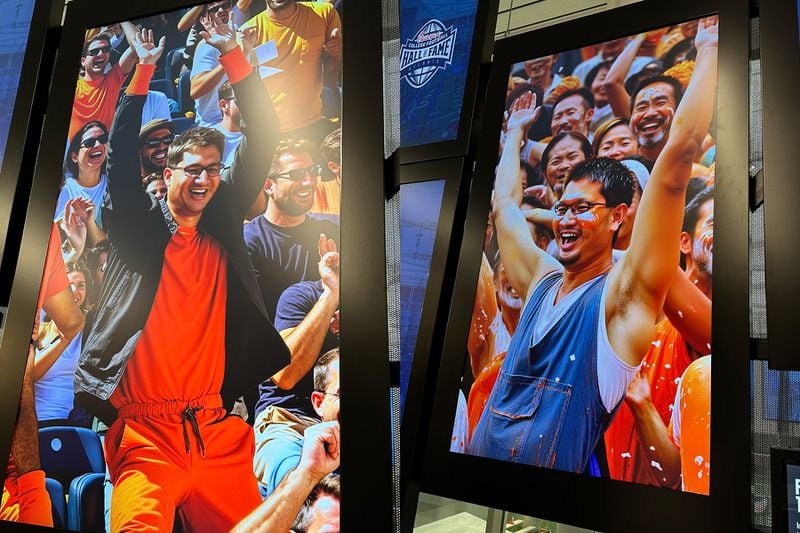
(195, 171)
(577, 208)
(299, 174)
(153, 143)
(91, 142)
(99, 50)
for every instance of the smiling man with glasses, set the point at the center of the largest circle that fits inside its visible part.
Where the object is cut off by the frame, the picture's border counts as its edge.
(172, 344)
(154, 140)
(587, 322)
(284, 242)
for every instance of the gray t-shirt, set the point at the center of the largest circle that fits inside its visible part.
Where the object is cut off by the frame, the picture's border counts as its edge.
(206, 57)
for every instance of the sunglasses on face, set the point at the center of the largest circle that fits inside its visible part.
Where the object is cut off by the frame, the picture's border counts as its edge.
(97, 51)
(91, 142)
(154, 143)
(221, 7)
(299, 174)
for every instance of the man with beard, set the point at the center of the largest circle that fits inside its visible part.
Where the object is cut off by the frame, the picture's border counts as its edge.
(154, 140)
(638, 435)
(587, 322)
(308, 37)
(284, 242)
(207, 74)
(573, 111)
(307, 318)
(230, 125)
(97, 90)
(653, 105)
(280, 453)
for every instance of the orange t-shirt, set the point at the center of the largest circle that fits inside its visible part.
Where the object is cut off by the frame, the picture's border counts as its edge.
(180, 354)
(693, 433)
(96, 100)
(662, 366)
(481, 389)
(54, 277)
(327, 198)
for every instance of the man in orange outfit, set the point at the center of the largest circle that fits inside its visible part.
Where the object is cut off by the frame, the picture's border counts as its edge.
(172, 345)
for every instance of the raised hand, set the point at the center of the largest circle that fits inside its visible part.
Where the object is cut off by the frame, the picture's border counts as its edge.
(321, 448)
(523, 112)
(707, 33)
(74, 226)
(219, 34)
(328, 265)
(145, 47)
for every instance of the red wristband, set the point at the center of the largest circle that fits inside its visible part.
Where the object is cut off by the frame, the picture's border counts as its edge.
(140, 83)
(236, 65)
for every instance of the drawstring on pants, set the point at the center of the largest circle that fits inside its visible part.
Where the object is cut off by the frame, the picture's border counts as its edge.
(189, 414)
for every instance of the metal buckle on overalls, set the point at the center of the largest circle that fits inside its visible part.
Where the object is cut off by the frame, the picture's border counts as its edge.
(190, 414)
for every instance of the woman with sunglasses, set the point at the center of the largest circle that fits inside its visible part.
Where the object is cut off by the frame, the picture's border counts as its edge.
(85, 177)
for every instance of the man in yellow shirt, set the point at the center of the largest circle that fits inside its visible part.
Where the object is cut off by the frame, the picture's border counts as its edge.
(307, 38)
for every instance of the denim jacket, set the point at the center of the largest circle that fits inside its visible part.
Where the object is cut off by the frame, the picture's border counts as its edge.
(139, 229)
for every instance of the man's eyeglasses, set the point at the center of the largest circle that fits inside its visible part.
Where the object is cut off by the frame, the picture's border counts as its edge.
(195, 171)
(153, 143)
(299, 174)
(99, 50)
(578, 208)
(326, 393)
(91, 142)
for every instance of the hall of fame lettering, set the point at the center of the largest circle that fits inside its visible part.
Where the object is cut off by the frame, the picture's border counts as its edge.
(429, 51)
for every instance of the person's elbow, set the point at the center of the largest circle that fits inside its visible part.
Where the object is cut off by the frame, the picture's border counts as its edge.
(285, 378)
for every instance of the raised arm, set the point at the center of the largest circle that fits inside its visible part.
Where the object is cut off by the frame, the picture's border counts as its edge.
(254, 154)
(649, 265)
(189, 18)
(618, 97)
(305, 340)
(525, 263)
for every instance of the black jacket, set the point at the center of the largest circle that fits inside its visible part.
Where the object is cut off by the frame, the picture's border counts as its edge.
(139, 230)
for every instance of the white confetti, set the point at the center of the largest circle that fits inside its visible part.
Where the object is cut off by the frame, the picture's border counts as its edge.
(667, 365)
(558, 380)
(541, 436)
(700, 474)
(572, 357)
(708, 345)
(655, 464)
(657, 344)
(652, 448)
(626, 455)
(680, 313)
(698, 460)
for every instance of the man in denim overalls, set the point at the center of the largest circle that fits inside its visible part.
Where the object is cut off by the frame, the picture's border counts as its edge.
(587, 322)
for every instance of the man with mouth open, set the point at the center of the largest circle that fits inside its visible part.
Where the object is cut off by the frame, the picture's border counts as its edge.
(154, 140)
(587, 322)
(653, 105)
(171, 346)
(98, 88)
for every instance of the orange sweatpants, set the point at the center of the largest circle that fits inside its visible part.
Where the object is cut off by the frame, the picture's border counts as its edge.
(212, 487)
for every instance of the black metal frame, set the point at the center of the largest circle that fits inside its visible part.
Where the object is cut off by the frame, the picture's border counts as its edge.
(23, 137)
(482, 41)
(366, 457)
(779, 458)
(581, 500)
(780, 74)
(436, 304)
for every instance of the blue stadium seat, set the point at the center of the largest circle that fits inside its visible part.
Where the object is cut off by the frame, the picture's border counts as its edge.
(170, 54)
(57, 502)
(182, 124)
(184, 98)
(163, 86)
(85, 504)
(67, 452)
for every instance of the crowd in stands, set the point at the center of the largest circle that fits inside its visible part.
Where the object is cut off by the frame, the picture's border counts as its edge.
(589, 349)
(194, 320)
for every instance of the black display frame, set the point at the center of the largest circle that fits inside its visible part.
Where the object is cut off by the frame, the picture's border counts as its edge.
(596, 503)
(366, 457)
(779, 459)
(480, 54)
(780, 73)
(436, 304)
(23, 136)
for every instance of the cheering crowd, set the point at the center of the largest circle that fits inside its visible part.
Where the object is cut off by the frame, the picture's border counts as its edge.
(189, 313)
(589, 348)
